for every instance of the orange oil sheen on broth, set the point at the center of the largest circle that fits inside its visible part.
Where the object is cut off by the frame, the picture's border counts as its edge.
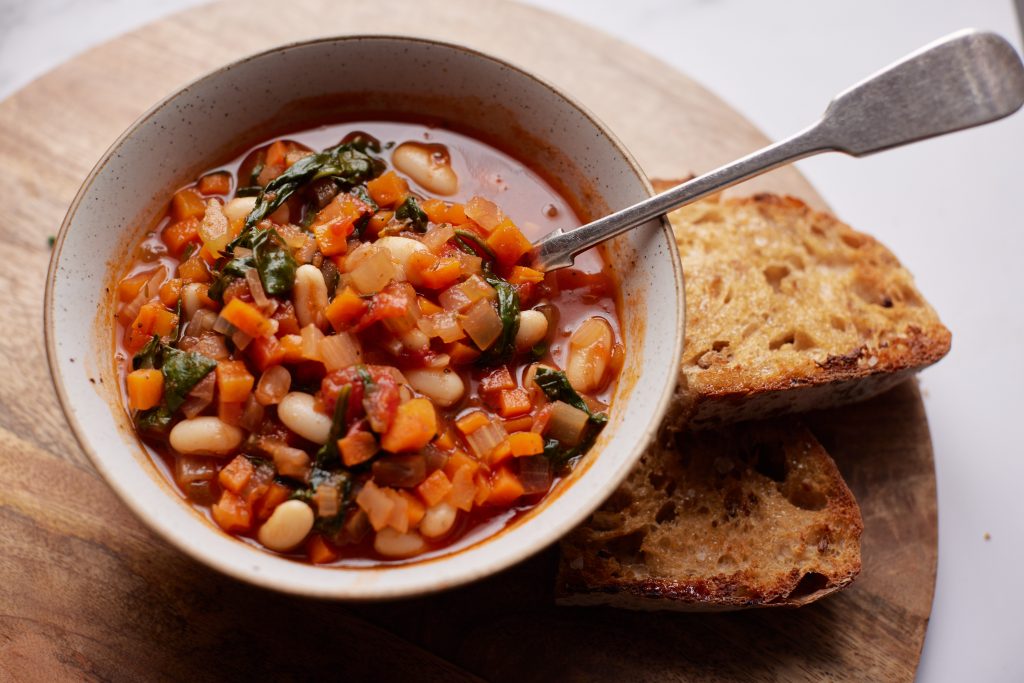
(532, 205)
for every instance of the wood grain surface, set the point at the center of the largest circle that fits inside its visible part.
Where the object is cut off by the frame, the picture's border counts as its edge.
(86, 592)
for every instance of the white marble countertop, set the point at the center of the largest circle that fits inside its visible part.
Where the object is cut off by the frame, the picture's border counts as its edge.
(949, 208)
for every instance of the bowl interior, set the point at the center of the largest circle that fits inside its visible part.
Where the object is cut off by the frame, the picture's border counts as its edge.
(292, 87)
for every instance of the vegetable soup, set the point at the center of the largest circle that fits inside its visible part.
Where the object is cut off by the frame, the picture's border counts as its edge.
(335, 347)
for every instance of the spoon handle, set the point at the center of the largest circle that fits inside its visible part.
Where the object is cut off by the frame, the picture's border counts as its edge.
(966, 79)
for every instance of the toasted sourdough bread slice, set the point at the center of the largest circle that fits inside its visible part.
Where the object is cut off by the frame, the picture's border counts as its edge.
(788, 309)
(756, 515)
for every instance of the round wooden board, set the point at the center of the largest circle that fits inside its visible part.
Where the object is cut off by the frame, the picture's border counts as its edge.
(87, 592)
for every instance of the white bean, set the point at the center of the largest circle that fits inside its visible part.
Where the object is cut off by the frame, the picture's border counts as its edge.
(290, 522)
(533, 327)
(438, 520)
(296, 410)
(205, 435)
(441, 385)
(590, 348)
(391, 543)
(310, 292)
(426, 167)
(239, 208)
(400, 249)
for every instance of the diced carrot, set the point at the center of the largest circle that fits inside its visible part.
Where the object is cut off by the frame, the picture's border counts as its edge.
(519, 424)
(187, 203)
(388, 190)
(130, 286)
(236, 474)
(230, 412)
(346, 308)
(275, 495)
(456, 215)
(541, 419)
(215, 183)
(414, 426)
(332, 237)
(357, 448)
(508, 243)
(152, 319)
(231, 512)
(291, 348)
(428, 307)
(483, 487)
(457, 461)
(247, 318)
(319, 551)
(461, 353)
(203, 292)
(435, 209)
(265, 353)
(434, 488)
(442, 274)
(463, 489)
(414, 508)
(234, 381)
(526, 443)
(505, 488)
(277, 153)
(498, 379)
(514, 402)
(145, 388)
(471, 422)
(177, 236)
(170, 291)
(446, 439)
(378, 222)
(501, 452)
(521, 275)
(194, 269)
(376, 504)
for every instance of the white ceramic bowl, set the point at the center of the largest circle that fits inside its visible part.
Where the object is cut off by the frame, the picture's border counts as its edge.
(212, 119)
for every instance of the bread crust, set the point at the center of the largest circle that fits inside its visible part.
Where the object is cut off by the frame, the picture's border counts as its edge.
(888, 330)
(822, 545)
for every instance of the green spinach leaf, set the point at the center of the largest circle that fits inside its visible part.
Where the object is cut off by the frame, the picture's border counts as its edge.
(476, 244)
(556, 386)
(328, 453)
(149, 355)
(182, 370)
(504, 346)
(235, 268)
(153, 423)
(410, 210)
(274, 262)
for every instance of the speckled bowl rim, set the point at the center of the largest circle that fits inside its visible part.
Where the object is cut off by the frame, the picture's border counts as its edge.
(543, 536)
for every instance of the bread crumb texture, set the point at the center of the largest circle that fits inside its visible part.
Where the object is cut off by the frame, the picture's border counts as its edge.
(756, 515)
(780, 297)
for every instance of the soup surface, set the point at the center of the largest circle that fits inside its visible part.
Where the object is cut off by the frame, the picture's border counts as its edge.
(335, 347)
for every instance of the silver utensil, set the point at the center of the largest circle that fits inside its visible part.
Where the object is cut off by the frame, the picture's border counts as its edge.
(963, 80)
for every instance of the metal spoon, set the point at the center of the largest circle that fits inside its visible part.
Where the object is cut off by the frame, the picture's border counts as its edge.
(963, 80)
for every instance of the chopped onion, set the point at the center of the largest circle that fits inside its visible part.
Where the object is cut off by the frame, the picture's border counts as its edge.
(259, 296)
(211, 345)
(567, 423)
(443, 325)
(190, 301)
(484, 212)
(304, 253)
(534, 474)
(340, 351)
(328, 500)
(252, 414)
(441, 360)
(188, 468)
(222, 326)
(470, 265)
(485, 439)
(482, 324)
(463, 295)
(273, 385)
(241, 340)
(311, 338)
(373, 272)
(200, 396)
(404, 471)
(437, 237)
(289, 461)
(202, 321)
